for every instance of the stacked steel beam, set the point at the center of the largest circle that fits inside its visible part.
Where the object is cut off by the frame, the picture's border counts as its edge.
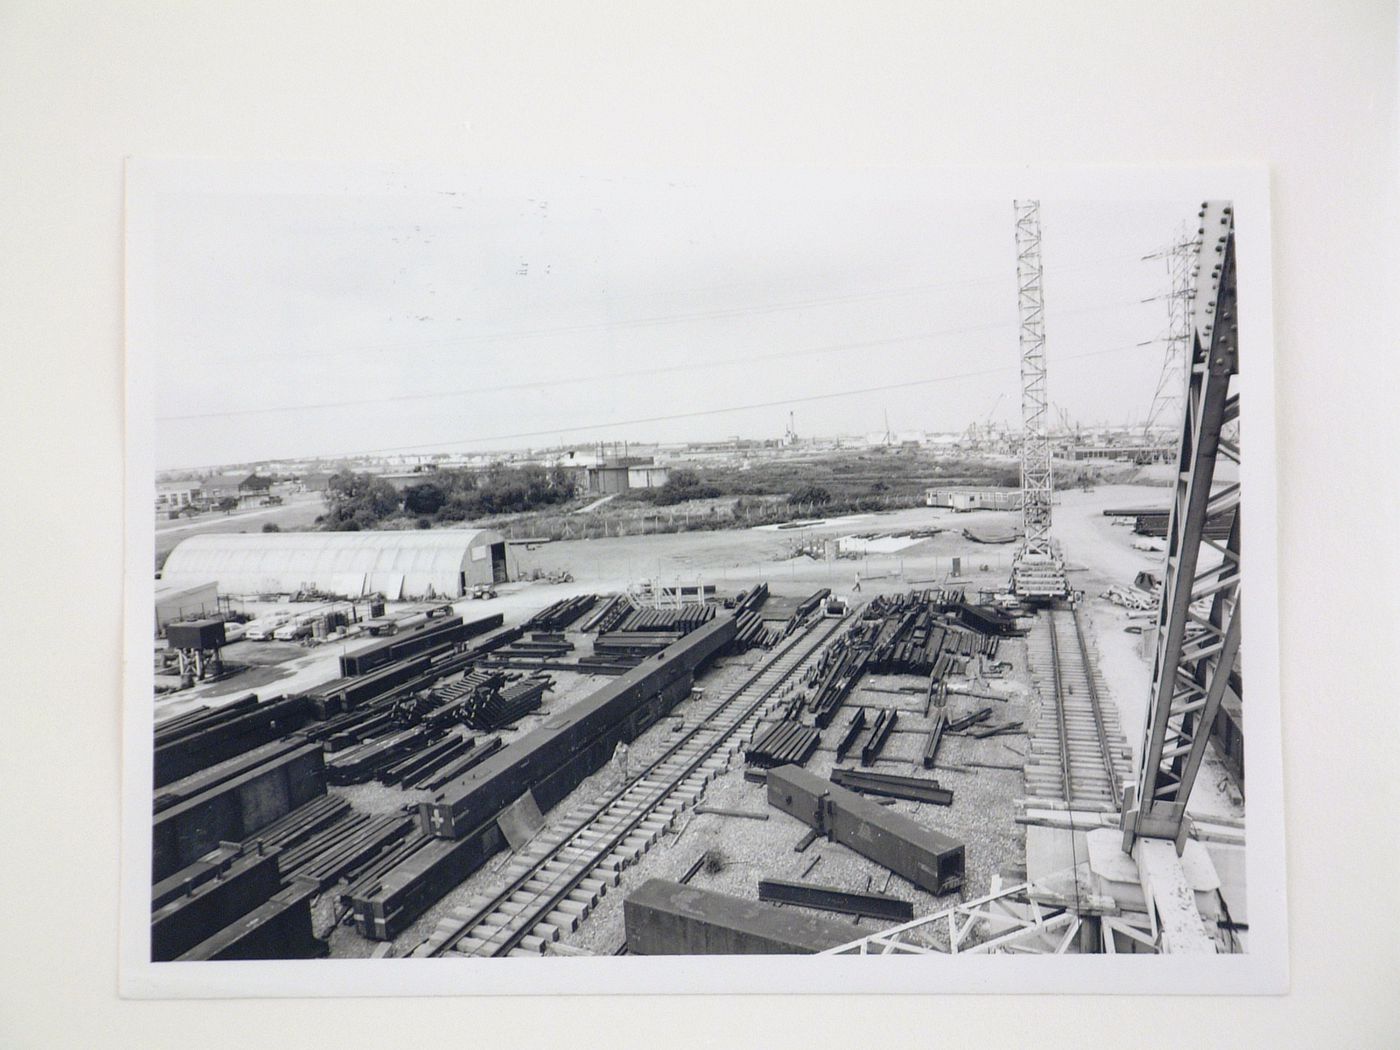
(836, 674)
(681, 620)
(609, 615)
(805, 608)
(449, 699)
(880, 731)
(915, 789)
(475, 753)
(850, 734)
(986, 619)
(344, 848)
(783, 743)
(750, 629)
(492, 709)
(422, 761)
(191, 743)
(935, 738)
(631, 645)
(355, 765)
(561, 614)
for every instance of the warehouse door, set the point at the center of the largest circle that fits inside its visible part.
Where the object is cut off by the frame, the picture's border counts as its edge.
(498, 562)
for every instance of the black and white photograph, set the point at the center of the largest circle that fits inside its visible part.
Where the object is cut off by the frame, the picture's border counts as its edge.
(720, 524)
(628, 571)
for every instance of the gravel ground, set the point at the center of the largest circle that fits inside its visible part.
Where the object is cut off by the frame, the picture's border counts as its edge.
(981, 815)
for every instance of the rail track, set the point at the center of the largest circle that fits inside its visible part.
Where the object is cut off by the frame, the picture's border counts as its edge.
(555, 881)
(1077, 755)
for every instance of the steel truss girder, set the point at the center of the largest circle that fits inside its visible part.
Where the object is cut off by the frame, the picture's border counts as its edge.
(1198, 623)
(1004, 921)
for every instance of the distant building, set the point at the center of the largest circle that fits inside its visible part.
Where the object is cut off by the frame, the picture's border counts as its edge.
(173, 495)
(619, 474)
(442, 563)
(217, 487)
(254, 484)
(647, 476)
(1140, 454)
(314, 480)
(973, 499)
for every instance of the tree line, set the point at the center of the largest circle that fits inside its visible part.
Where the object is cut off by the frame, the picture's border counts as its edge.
(356, 501)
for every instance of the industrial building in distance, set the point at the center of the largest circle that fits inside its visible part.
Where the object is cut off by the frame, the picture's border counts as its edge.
(438, 563)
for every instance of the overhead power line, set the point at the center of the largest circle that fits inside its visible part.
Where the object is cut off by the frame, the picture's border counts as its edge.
(699, 364)
(664, 319)
(699, 413)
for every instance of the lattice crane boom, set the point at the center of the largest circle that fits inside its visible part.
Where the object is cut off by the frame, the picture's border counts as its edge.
(1035, 445)
(1038, 573)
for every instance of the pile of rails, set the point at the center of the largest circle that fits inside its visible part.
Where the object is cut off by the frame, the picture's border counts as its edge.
(872, 734)
(461, 759)
(429, 637)
(918, 635)
(679, 620)
(607, 616)
(750, 630)
(355, 765)
(417, 671)
(561, 614)
(783, 743)
(245, 836)
(805, 608)
(343, 848)
(835, 675)
(1153, 521)
(494, 708)
(543, 649)
(643, 633)
(550, 761)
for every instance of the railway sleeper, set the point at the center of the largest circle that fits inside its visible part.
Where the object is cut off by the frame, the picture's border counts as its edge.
(564, 920)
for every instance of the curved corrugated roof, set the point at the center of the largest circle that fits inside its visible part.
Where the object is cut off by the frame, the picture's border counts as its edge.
(410, 563)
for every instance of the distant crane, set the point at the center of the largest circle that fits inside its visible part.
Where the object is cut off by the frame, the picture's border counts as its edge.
(988, 429)
(790, 437)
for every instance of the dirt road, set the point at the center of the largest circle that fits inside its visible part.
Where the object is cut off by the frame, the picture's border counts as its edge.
(298, 513)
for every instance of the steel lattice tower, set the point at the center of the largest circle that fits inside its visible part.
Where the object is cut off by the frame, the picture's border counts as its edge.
(1036, 482)
(1198, 623)
(1169, 399)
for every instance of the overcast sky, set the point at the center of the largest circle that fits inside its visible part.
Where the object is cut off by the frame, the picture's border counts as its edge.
(337, 311)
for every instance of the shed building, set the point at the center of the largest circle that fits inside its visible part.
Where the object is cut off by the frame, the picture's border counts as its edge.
(442, 563)
(185, 601)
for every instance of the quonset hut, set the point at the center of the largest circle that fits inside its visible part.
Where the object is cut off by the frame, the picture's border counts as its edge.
(440, 563)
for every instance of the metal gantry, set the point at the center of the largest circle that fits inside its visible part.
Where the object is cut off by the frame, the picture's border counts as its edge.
(1198, 624)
